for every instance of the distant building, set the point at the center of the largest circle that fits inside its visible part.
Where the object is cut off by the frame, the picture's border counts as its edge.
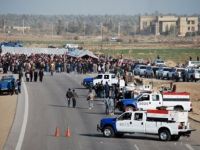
(146, 23)
(187, 25)
(165, 24)
(21, 28)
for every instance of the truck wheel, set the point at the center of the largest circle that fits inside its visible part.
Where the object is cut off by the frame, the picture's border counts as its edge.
(175, 137)
(178, 108)
(164, 135)
(108, 131)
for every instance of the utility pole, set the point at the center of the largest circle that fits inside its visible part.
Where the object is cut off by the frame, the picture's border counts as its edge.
(84, 26)
(119, 28)
(4, 26)
(52, 31)
(101, 36)
(23, 26)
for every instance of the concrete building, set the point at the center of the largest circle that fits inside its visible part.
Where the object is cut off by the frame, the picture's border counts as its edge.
(187, 25)
(146, 22)
(166, 24)
(21, 28)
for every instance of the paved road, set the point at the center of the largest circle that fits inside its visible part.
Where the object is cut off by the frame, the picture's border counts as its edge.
(47, 111)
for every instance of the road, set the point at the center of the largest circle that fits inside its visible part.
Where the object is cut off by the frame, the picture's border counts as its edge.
(47, 111)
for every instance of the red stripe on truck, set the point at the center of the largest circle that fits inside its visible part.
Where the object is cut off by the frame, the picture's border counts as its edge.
(158, 111)
(176, 93)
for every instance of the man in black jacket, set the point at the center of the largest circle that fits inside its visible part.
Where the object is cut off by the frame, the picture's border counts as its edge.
(69, 95)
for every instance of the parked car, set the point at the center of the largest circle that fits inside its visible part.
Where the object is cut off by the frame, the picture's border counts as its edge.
(192, 74)
(140, 70)
(149, 73)
(159, 62)
(179, 74)
(163, 73)
(172, 74)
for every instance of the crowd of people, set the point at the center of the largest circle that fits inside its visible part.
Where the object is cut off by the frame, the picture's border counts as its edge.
(30, 64)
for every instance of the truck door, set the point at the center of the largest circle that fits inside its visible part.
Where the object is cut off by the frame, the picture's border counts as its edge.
(143, 102)
(138, 124)
(124, 122)
(156, 101)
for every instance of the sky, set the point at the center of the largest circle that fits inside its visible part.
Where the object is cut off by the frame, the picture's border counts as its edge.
(99, 7)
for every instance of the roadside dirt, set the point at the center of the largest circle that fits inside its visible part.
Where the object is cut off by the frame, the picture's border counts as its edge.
(7, 113)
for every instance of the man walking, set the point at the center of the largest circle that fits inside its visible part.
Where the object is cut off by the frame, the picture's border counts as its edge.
(74, 98)
(69, 95)
(90, 99)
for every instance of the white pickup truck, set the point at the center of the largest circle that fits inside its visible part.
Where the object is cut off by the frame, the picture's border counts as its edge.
(168, 125)
(110, 78)
(171, 100)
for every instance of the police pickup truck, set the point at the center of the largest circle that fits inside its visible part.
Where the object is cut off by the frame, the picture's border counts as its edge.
(168, 125)
(7, 83)
(110, 78)
(172, 100)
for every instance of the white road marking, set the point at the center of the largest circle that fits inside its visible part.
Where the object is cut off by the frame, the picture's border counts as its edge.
(189, 146)
(136, 147)
(24, 124)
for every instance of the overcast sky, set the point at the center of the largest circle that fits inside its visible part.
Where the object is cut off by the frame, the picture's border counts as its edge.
(99, 7)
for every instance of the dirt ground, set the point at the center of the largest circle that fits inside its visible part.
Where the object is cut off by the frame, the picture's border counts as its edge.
(7, 113)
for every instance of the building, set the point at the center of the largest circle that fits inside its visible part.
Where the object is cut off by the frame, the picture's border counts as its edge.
(22, 28)
(187, 25)
(168, 24)
(146, 23)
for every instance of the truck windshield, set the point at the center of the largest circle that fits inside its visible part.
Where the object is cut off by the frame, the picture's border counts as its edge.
(99, 77)
(138, 96)
(125, 116)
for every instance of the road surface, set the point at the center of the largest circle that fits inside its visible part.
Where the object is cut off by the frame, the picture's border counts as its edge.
(47, 111)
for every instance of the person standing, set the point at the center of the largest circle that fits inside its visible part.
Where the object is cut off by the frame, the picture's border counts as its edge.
(74, 98)
(41, 74)
(106, 101)
(35, 75)
(90, 99)
(19, 85)
(107, 90)
(69, 95)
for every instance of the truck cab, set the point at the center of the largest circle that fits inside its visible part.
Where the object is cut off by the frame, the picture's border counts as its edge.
(109, 78)
(168, 125)
(172, 100)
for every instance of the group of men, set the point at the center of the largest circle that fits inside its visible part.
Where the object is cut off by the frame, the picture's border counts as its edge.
(71, 95)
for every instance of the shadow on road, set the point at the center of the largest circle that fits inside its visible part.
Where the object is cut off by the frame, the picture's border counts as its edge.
(96, 113)
(124, 137)
(57, 105)
(81, 107)
(81, 88)
(147, 138)
(92, 135)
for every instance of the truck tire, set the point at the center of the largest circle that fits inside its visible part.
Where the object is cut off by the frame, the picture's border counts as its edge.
(164, 135)
(178, 108)
(175, 137)
(108, 131)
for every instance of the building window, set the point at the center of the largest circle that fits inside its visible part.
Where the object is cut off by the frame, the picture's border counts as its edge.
(188, 28)
(193, 22)
(193, 29)
(188, 22)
